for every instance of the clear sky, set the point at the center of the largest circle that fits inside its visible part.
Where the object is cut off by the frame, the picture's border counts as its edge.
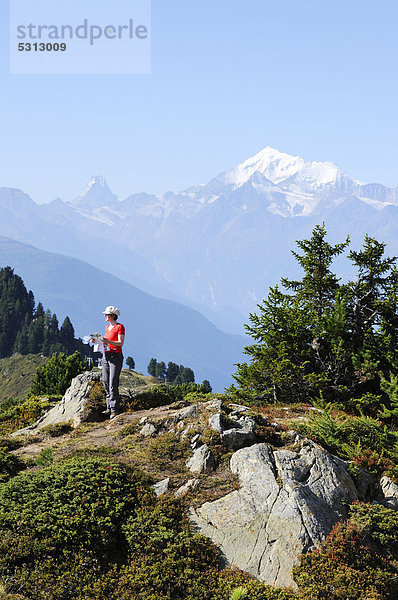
(314, 78)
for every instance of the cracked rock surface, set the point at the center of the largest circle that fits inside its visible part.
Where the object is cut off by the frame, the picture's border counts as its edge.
(73, 408)
(287, 504)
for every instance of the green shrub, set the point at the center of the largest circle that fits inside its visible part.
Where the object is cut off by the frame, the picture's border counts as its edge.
(91, 530)
(57, 429)
(358, 560)
(45, 457)
(162, 395)
(16, 414)
(10, 464)
(166, 449)
(61, 527)
(363, 439)
(97, 395)
(55, 376)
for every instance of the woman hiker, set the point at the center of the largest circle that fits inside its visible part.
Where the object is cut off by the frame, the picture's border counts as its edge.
(112, 360)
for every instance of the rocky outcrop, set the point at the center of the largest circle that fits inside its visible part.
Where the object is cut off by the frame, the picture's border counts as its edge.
(287, 504)
(74, 408)
(236, 431)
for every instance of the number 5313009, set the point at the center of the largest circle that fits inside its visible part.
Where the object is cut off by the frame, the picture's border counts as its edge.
(41, 47)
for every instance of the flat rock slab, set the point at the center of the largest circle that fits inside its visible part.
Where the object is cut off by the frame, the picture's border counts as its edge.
(287, 504)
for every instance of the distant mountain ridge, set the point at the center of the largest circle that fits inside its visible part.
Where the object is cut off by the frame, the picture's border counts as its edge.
(216, 246)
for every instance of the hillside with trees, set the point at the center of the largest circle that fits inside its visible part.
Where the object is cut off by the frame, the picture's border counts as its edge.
(29, 329)
(173, 374)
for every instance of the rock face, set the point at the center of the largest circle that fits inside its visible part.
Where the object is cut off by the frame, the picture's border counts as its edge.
(74, 407)
(287, 504)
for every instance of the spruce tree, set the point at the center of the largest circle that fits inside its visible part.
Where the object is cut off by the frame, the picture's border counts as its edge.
(67, 335)
(55, 376)
(187, 375)
(36, 331)
(319, 335)
(206, 387)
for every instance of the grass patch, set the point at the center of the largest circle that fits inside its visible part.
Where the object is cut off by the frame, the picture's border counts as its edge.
(17, 374)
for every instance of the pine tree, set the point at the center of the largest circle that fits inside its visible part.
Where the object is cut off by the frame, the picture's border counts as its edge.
(15, 304)
(130, 362)
(67, 335)
(172, 372)
(206, 387)
(36, 331)
(26, 330)
(187, 375)
(152, 367)
(161, 371)
(390, 413)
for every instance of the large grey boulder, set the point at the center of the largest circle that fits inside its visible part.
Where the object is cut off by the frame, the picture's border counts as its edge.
(148, 429)
(287, 504)
(217, 422)
(74, 408)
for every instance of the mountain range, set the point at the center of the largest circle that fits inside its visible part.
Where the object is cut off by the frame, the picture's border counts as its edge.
(217, 246)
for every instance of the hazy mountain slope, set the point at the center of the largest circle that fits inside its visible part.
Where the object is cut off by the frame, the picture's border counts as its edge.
(155, 327)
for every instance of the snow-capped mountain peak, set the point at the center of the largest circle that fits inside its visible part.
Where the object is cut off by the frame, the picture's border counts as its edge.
(97, 193)
(287, 171)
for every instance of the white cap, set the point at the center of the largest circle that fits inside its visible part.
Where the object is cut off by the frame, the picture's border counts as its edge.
(111, 310)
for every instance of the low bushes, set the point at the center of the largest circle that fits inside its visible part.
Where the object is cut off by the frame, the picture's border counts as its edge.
(16, 414)
(162, 395)
(358, 561)
(364, 440)
(91, 529)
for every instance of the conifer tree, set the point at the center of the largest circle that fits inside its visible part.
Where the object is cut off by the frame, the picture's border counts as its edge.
(320, 335)
(206, 387)
(130, 362)
(160, 370)
(152, 367)
(15, 304)
(187, 375)
(36, 331)
(172, 372)
(54, 376)
(67, 334)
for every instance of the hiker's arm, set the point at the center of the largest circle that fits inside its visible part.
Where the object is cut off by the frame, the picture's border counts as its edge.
(119, 342)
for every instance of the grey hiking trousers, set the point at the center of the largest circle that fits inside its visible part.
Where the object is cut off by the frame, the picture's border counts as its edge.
(111, 367)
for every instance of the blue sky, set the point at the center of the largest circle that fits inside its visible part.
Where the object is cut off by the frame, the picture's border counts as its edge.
(318, 79)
